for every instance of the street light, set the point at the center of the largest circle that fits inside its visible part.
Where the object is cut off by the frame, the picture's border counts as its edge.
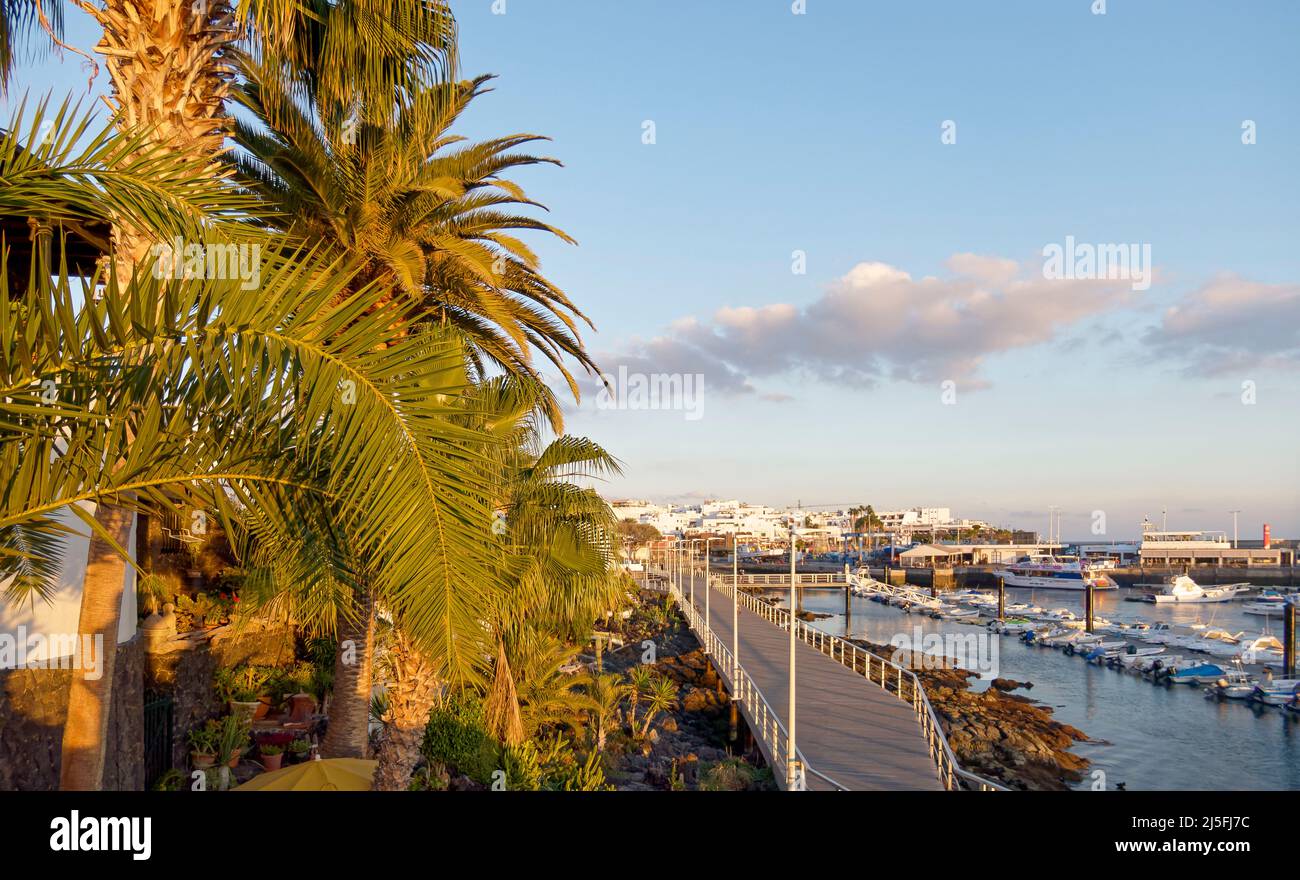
(1234, 527)
(790, 750)
(707, 588)
(735, 608)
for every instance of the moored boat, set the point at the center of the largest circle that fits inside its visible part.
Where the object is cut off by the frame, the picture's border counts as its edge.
(1056, 573)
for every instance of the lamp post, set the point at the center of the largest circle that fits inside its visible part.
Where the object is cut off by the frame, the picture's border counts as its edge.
(790, 750)
(707, 588)
(1234, 527)
(690, 563)
(735, 608)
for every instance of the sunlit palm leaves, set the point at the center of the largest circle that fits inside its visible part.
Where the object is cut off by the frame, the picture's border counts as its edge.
(199, 391)
(416, 207)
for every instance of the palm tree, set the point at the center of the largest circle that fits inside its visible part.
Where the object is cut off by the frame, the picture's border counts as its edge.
(416, 208)
(660, 698)
(607, 692)
(18, 18)
(169, 64)
(227, 401)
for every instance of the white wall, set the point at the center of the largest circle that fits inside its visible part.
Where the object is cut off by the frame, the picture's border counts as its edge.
(61, 614)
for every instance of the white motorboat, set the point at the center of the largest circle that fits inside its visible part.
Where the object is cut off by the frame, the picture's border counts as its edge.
(1260, 649)
(1207, 673)
(1128, 628)
(1056, 573)
(1024, 608)
(952, 612)
(1182, 589)
(1012, 625)
(1276, 692)
(1263, 609)
(1231, 690)
(1217, 642)
(1175, 634)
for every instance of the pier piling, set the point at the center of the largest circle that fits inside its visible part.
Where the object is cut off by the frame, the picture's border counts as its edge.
(1088, 605)
(1002, 599)
(1288, 640)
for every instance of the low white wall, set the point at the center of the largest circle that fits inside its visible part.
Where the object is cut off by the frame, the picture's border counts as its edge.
(59, 616)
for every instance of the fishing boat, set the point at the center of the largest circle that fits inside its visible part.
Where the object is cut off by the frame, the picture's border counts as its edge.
(1182, 589)
(1055, 573)
(1012, 625)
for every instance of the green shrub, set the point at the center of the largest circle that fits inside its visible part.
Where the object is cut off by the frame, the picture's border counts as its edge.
(523, 767)
(457, 736)
(730, 774)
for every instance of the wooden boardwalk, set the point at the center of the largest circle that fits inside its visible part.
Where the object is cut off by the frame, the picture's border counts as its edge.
(850, 730)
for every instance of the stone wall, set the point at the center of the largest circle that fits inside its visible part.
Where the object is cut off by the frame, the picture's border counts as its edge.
(183, 668)
(34, 706)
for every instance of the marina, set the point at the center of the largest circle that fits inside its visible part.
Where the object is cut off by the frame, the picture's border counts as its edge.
(1146, 729)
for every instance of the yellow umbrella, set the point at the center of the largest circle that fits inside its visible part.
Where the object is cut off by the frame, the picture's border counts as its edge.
(330, 774)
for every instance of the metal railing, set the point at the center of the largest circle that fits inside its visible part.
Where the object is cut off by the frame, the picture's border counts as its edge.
(892, 678)
(808, 579)
(764, 722)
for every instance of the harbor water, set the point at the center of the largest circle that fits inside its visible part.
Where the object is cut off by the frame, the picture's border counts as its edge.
(1145, 736)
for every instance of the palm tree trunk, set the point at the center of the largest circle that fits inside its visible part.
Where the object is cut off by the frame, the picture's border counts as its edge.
(413, 688)
(502, 705)
(348, 735)
(167, 62)
(89, 700)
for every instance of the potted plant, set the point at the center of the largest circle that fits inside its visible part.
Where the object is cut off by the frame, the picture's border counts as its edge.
(240, 688)
(203, 747)
(232, 736)
(299, 749)
(271, 756)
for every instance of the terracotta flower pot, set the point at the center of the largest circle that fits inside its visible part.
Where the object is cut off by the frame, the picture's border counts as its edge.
(202, 761)
(246, 711)
(234, 759)
(272, 762)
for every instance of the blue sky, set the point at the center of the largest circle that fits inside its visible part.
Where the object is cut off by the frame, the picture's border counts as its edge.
(821, 133)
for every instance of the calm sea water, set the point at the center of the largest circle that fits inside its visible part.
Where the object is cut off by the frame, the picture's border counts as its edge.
(1150, 737)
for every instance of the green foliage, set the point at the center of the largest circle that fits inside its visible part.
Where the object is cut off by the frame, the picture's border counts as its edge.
(170, 780)
(523, 767)
(269, 750)
(231, 734)
(559, 768)
(730, 774)
(203, 739)
(457, 736)
(202, 610)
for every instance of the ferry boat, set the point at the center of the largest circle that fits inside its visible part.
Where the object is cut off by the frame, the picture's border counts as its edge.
(1055, 573)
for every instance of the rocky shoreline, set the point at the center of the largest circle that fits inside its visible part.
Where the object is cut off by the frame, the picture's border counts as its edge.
(1002, 736)
(691, 748)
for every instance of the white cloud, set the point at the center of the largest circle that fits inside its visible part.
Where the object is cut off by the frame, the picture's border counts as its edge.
(877, 323)
(1231, 324)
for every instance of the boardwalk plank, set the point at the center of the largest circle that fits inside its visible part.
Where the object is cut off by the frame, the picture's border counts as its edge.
(846, 727)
